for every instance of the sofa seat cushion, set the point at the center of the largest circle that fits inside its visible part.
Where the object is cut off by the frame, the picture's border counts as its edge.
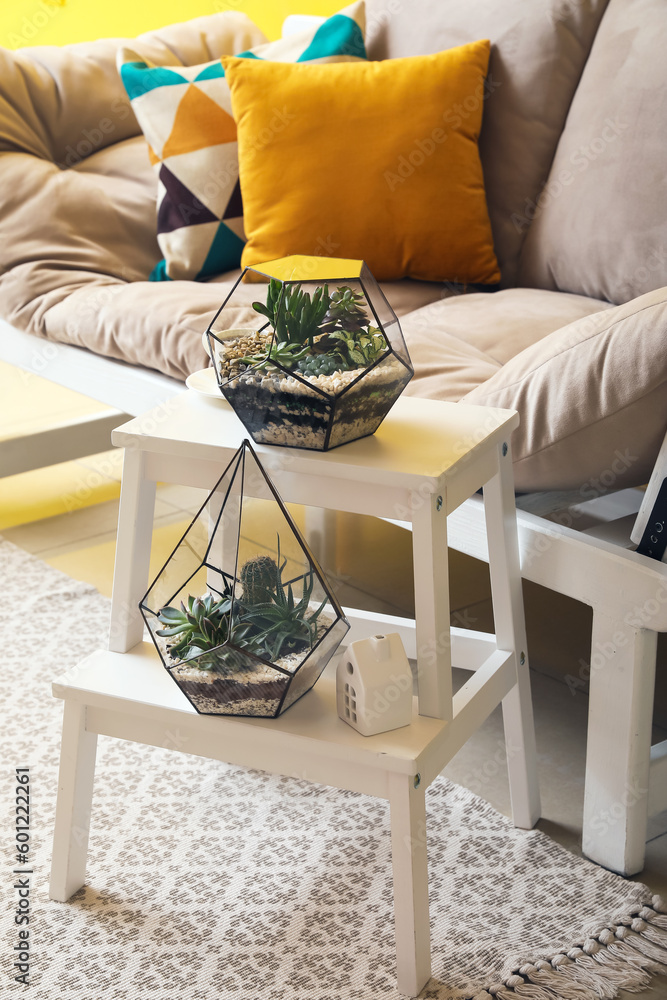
(592, 397)
(458, 343)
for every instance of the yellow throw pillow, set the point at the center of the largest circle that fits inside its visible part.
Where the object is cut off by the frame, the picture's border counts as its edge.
(374, 160)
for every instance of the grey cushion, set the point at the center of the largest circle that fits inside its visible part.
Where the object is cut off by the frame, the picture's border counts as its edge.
(601, 227)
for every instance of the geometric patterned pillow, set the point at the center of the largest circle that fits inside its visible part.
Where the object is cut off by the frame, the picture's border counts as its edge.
(186, 116)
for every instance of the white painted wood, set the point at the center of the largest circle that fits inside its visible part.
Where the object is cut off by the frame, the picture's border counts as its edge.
(320, 533)
(511, 635)
(126, 387)
(136, 685)
(87, 435)
(429, 459)
(133, 550)
(473, 703)
(73, 810)
(410, 877)
(618, 582)
(657, 794)
(429, 558)
(622, 679)
(353, 496)
(366, 623)
(625, 589)
(419, 441)
(470, 649)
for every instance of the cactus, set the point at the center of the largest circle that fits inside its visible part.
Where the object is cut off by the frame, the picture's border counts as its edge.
(258, 579)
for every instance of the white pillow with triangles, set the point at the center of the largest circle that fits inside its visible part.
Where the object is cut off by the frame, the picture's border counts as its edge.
(186, 117)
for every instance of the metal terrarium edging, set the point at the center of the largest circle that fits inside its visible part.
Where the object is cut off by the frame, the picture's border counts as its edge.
(241, 613)
(319, 363)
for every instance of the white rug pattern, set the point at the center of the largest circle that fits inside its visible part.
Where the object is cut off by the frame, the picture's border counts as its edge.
(210, 881)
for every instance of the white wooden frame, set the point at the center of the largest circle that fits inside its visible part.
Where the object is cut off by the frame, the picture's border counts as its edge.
(126, 693)
(130, 390)
(626, 778)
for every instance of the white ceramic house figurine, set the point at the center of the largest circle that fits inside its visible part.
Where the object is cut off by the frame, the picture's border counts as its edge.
(374, 685)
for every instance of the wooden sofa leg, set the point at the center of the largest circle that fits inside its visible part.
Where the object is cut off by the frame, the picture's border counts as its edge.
(622, 678)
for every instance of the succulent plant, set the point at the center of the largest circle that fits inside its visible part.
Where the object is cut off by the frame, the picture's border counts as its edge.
(361, 348)
(258, 579)
(296, 317)
(345, 311)
(284, 624)
(284, 354)
(202, 626)
(321, 364)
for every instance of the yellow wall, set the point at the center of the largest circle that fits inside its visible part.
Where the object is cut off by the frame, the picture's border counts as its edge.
(56, 22)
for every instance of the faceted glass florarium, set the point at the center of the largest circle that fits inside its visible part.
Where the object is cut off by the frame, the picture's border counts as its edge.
(241, 614)
(323, 360)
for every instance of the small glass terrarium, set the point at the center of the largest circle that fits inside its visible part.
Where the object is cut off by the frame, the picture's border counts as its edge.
(241, 614)
(321, 359)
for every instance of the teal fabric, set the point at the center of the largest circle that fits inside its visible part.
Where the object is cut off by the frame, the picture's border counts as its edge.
(224, 255)
(338, 36)
(159, 272)
(138, 78)
(212, 72)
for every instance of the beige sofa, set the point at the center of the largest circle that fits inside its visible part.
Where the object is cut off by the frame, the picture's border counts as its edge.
(572, 148)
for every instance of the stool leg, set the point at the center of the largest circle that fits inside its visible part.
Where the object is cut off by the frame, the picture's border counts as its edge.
(430, 561)
(133, 551)
(73, 808)
(510, 627)
(409, 861)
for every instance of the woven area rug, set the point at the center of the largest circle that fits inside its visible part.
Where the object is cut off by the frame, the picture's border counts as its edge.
(209, 881)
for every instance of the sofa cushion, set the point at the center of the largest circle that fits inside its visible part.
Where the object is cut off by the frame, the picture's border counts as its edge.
(539, 48)
(600, 226)
(460, 342)
(186, 116)
(64, 103)
(335, 172)
(592, 398)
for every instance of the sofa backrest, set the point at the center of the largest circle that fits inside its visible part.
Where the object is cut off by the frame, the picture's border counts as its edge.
(539, 50)
(62, 104)
(600, 228)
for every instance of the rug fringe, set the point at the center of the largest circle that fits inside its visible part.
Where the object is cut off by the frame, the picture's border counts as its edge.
(622, 955)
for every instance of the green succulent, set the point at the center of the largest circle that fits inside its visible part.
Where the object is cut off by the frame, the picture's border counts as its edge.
(361, 348)
(345, 311)
(284, 624)
(258, 579)
(284, 354)
(322, 364)
(202, 626)
(296, 317)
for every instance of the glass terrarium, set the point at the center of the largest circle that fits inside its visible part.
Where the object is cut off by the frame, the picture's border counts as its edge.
(241, 614)
(320, 359)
